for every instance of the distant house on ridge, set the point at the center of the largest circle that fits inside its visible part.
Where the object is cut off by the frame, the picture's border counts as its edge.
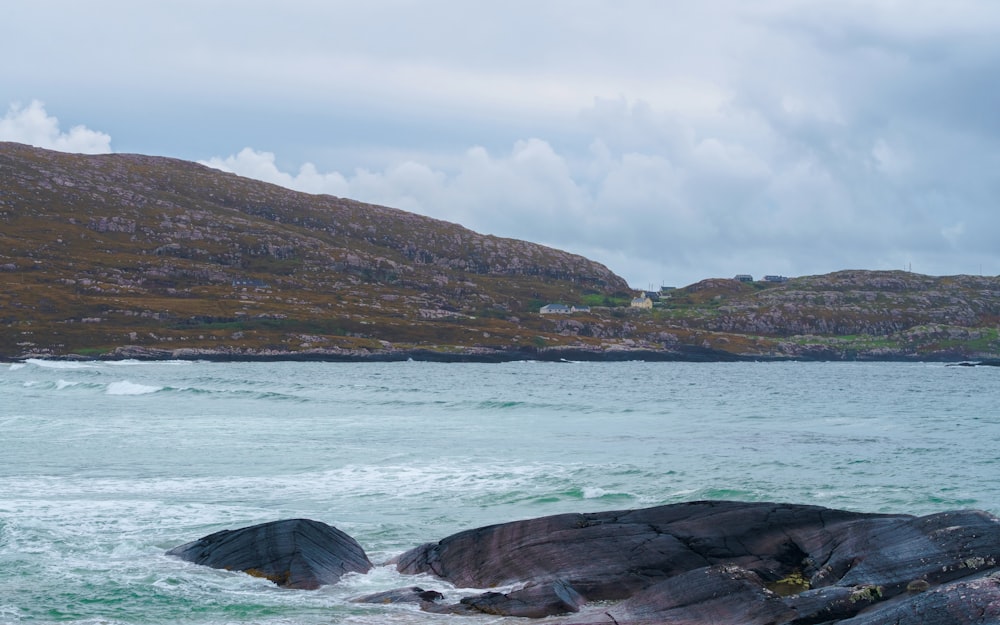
(562, 309)
(555, 309)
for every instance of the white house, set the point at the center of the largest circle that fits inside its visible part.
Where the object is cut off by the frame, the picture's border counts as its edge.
(555, 309)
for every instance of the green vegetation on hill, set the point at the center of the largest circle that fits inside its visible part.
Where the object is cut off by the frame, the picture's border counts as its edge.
(128, 255)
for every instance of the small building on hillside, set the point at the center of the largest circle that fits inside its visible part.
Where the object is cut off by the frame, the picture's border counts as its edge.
(641, 301)
(584, 309)
(555, 309)
(775, 279)
(743, 277)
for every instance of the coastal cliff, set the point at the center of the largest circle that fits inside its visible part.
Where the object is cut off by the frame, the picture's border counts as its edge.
(131, 256)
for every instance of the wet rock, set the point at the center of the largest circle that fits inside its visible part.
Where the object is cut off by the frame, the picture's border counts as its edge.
(732, 562)
(294, 553)
(410, 594)
(974, 601)
(716, 594)
(612, 555)
(534, 600)
(893, 553)
(832, 604)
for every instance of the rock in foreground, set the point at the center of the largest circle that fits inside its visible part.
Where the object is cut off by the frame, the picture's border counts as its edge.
(294, 553)
(732, 562)
(698, 563)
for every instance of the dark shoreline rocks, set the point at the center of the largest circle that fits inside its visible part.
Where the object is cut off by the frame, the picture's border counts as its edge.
(709, 562)
(487, 356)
(457, 355)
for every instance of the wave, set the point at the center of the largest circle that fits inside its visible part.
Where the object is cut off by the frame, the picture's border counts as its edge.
(131, 388)
(62, 385)
(44, 363)
(157, 363)
(60, 364)
(498, 405)
(235, 393)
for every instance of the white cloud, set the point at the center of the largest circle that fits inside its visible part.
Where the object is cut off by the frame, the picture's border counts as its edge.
(261, 166)
(33, 126)
(671, 141)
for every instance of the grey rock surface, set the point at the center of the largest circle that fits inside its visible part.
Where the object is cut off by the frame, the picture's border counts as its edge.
(293, 553)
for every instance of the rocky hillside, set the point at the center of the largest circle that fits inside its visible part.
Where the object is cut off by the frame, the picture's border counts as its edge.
(97, 252)
(136, 256)
(843, 315)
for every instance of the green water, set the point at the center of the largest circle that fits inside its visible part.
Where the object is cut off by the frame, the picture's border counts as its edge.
(105, 466)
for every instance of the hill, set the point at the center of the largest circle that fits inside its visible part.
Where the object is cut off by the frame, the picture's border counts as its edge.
(136, 256)
(844, 315)
(97, 252)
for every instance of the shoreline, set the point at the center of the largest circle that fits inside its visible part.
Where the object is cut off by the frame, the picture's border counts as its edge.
(487, 356)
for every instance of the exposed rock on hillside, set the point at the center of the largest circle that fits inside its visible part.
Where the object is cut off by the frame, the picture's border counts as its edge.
(119, 238)
(136, 256)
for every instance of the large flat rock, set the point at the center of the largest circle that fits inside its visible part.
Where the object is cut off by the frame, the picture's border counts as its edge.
(725, 562)
(610, 555)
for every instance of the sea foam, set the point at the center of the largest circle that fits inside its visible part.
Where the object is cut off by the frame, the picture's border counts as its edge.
(58, 364)
(131, 388)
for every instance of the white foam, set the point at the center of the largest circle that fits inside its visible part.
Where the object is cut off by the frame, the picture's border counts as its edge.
(58, 364)
(133, 363)
(10, 611)
(14, 366)
(131, 388)
(61, 384)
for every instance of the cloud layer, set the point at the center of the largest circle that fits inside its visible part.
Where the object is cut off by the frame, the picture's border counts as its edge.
(671, 141)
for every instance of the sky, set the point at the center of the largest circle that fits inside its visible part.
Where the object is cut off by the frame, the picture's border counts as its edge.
(671, 141)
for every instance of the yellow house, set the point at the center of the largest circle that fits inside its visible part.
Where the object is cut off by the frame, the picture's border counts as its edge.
(642, 301)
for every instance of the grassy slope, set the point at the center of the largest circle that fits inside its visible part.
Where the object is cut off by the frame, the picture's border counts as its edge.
(100, 252)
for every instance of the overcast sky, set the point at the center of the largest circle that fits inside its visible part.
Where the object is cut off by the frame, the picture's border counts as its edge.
(671, 141)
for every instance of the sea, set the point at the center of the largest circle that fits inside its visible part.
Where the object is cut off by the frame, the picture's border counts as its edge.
(104, 466)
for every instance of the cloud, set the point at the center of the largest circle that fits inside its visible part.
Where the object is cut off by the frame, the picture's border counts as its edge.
(754, 187)
(670, 141)
(33, 126)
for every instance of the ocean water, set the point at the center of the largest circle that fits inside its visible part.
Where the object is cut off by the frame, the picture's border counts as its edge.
(104, 466)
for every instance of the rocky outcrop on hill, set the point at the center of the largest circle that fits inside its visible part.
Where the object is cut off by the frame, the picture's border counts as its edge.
(108, 254)
(104, 236)
(864, 302)
(173, 208)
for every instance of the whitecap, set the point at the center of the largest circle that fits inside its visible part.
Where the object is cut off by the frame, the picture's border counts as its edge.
(61, 384)
(14, 366)
(131, 388)
(131, 362)
(58, 364)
